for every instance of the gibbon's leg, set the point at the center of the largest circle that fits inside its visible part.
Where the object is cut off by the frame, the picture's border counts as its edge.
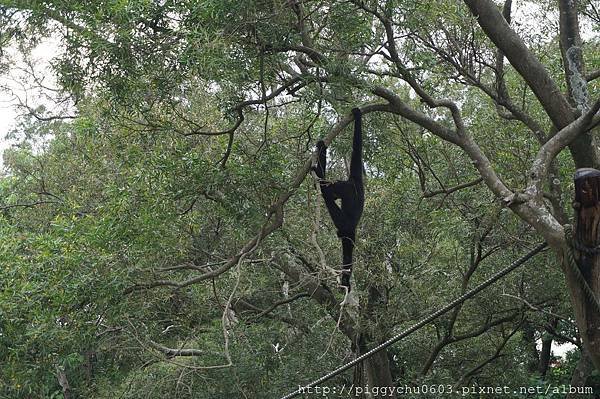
(347, 250)
(342, 190)
(321, 160)
(332, 190)
(328, 190)
(342, 222)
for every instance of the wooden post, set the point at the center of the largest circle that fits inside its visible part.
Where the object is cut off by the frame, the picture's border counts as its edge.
(587, 223)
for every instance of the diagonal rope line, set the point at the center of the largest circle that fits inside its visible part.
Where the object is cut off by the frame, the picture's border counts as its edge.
(467, 295)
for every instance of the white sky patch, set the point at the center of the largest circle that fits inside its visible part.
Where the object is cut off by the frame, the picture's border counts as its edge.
(561, 350)
(19, 89)
(539, 22)
(7, 118)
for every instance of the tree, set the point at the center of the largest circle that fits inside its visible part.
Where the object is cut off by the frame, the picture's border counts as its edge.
(268, 68)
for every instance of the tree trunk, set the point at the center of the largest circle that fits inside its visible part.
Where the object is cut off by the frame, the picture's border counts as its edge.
(533, 360)
(581, 373)
(376, 369)
(546, 351)
(63, 382)
(587, 218)
(572, 55)
(545, 355)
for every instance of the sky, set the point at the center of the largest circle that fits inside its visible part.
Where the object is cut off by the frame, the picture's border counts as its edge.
(8, 116)
(15, 85)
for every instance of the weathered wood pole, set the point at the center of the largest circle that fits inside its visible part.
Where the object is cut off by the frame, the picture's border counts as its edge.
(585, 239)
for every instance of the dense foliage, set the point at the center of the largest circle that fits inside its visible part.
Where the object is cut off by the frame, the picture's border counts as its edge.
(163, 237)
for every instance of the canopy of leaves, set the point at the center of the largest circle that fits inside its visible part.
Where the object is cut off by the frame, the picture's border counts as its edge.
(168, 240)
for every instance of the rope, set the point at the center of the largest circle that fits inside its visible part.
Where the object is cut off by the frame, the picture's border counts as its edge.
(572, 246)
(578, 245)
(423, 322)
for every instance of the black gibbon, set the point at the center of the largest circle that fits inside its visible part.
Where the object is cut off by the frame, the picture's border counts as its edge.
(351, 192)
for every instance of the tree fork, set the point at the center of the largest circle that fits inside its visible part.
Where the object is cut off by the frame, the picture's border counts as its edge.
(586, 240)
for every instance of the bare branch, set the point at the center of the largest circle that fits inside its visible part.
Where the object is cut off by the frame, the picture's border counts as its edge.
(450, 190)
(169, 352)
(537, 308)
(30, 205)
(274, 221)
(484, 328)
(146, 286)
(400, 108)
(592, 75)
(451, 339)
(243, 305)
(498, 353)
(405, 73)
(505, 106)
(283, 302)
(189, 266)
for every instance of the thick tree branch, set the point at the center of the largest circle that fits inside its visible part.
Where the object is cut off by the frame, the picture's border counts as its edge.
(593, 75)
(572, 56)
(301, 27)
(170, 352)
(274, 215)
(320, 293)
(552, 147)
(241, 305)
(479, 159)
(537, 78)
(529, 67)
(400, 108)
(534, 212)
